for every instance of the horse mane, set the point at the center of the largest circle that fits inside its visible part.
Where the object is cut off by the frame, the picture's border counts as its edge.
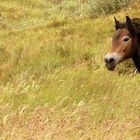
(136, 22)
(136, 56)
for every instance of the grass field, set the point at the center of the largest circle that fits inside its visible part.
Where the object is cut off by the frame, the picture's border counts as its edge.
(53, 82)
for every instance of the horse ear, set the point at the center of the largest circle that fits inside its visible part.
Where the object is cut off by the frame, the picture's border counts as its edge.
(117, 23)
(128, 21)
(129, 25)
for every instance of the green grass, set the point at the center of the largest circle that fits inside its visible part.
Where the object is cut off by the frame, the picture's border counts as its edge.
(53, 81)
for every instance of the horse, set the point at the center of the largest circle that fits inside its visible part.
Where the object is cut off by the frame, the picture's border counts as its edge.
(125, 44)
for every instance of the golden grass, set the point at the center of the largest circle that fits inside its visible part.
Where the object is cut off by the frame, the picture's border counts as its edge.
(53, 82)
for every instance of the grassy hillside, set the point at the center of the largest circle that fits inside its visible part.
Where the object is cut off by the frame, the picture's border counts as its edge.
(53, 82)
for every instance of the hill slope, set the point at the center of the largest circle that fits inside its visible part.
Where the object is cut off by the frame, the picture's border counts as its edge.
(53, 81)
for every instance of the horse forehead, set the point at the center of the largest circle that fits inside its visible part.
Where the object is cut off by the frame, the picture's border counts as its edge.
(120, 33)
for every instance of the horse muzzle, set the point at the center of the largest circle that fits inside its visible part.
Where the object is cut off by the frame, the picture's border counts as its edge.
(110, 62)
(110, 66)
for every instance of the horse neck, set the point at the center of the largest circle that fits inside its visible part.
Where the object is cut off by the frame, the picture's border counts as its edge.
(136, 57)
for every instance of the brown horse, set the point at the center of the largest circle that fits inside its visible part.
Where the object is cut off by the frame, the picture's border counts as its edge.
(125, 43)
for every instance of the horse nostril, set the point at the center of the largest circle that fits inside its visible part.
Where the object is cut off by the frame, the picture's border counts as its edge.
(111, 60)
(106, 60)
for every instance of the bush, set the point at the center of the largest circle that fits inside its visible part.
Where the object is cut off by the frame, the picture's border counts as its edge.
(99, 7)
(68, 8)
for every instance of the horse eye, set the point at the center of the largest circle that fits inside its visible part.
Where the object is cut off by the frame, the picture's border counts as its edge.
(125, 39)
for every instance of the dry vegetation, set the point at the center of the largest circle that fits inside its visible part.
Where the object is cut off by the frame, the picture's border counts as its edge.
(53, 82)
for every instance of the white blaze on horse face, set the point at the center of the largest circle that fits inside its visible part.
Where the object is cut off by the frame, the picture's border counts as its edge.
(115, 56)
